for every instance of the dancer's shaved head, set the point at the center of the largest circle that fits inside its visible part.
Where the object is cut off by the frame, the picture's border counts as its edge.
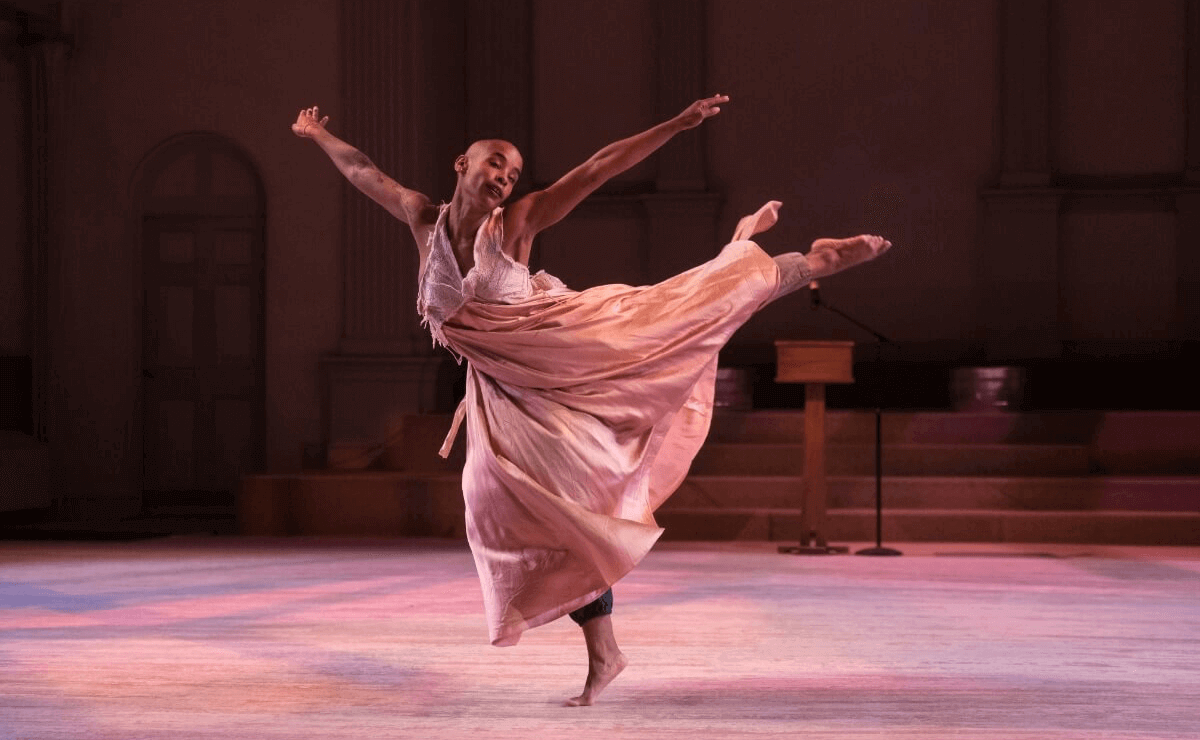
(484, 148)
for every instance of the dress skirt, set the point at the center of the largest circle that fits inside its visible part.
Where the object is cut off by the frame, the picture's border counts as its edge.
(583, 412)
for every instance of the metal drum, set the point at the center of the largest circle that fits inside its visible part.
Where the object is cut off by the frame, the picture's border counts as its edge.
(988, 388)
(734, 389)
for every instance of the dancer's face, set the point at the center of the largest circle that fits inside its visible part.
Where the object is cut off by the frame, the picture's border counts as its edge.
(489, 170)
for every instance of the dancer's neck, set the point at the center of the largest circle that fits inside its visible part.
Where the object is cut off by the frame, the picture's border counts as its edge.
(464, 219)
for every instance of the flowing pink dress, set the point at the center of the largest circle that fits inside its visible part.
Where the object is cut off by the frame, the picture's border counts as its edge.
(583, 410)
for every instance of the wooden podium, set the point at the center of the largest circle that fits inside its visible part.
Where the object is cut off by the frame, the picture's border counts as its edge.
(814, 364)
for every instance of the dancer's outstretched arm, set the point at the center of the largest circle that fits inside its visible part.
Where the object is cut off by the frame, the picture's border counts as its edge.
(542, 209)
(406, 204)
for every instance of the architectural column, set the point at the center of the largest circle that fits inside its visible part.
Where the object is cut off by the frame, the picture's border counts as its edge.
(499, 73)
(1025, 92)
(1192, 90)
(1018, 275)
(681, 40)
(42, 56)
(38, 51)
(395, 98)
(681, 212)
(37, 228)
(382, 98)
(1187, 205)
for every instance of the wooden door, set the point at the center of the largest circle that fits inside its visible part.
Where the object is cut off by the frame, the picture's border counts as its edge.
(203, 422)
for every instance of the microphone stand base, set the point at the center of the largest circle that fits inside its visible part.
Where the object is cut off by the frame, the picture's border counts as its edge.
(813, 549)
(878, 551)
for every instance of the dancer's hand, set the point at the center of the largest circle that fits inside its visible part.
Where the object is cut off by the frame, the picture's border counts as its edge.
(308, 120)
(695, 113)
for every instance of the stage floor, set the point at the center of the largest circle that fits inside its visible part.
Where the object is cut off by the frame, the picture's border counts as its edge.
(257, 638)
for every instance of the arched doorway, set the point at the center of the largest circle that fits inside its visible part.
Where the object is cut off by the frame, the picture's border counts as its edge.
(202, 322)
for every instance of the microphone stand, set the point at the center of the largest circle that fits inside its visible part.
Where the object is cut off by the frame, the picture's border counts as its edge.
(817, 303)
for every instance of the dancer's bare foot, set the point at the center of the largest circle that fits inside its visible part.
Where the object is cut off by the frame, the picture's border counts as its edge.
(834, 255)
(599, 676)
(605, 660)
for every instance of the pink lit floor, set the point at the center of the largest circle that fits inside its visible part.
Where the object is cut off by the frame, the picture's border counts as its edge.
(237, 638)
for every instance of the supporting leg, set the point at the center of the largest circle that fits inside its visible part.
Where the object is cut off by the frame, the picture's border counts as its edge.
(605, 659)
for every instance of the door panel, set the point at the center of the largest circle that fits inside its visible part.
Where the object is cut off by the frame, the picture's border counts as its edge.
(174, 437)
(202, 331)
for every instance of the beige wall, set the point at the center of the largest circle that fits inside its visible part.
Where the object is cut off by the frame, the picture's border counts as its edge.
(1117, 87)
(861, 117)
(140, 73)
(1118, 103)
(879, 117)
(593, 81)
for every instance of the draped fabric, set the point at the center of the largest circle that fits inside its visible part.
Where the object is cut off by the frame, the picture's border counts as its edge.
(583, 410)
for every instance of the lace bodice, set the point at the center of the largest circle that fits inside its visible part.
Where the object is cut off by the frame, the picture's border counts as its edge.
(442, 289)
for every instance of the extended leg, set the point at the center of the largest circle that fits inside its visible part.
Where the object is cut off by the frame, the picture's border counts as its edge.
(605, 659)
(827, 257)
(794, 273)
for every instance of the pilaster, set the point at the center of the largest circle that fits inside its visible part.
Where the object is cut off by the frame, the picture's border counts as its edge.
(681, 34)
(1018, 272)
(383, 94)
(398, 97)
(1025, 92)
(499, 73)
(681, 213)
(1192, 90)
(43, 57)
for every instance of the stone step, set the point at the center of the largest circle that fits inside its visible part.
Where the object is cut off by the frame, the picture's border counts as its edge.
(1127, 431)
(356, 504)
(1116, 442)
(858, 426)
(1092, 493)
(1096, 510)
(940, 525)
(753, 459)
(152, 521)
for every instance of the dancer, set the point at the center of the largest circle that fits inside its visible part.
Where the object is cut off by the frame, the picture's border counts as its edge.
(583, 409)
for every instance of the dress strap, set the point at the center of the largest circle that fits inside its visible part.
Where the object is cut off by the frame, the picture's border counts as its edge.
(757, 222)
(448, 443)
